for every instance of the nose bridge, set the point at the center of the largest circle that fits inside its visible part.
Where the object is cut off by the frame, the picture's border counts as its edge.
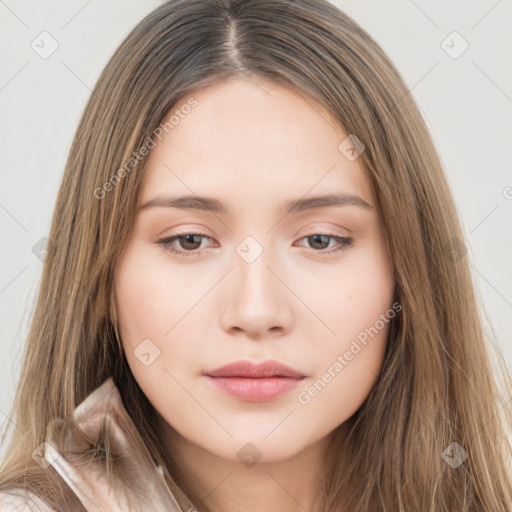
(254, 281)
(256, 301)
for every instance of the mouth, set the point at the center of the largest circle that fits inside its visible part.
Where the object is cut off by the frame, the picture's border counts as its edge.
(251, 382)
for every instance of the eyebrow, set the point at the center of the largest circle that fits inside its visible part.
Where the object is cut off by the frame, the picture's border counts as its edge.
(210, 204)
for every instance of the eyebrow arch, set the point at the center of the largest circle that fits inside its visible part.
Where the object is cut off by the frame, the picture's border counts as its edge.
(210, 204)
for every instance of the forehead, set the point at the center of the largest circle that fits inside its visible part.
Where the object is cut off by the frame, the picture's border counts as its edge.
(248, 140)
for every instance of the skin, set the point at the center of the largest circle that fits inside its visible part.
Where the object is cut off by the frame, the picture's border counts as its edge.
(254, 145)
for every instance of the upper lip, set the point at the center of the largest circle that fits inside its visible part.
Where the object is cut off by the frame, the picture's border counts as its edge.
(249, 369)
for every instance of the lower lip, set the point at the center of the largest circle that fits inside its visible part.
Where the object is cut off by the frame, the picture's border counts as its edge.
(255, 390)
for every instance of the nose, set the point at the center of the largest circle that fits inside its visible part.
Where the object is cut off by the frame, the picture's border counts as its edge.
(257, 302)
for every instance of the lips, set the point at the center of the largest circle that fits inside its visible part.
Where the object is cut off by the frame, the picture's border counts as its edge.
(250, 370)
(255, 382)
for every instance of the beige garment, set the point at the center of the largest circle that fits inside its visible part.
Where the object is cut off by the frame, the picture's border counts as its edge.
(67, 449)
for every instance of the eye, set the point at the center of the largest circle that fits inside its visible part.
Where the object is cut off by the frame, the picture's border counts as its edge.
(191, 243)
(320, 239)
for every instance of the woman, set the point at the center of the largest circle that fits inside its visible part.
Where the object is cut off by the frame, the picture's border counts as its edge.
(255, 369)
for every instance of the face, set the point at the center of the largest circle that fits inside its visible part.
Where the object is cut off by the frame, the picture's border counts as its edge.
(242, 277)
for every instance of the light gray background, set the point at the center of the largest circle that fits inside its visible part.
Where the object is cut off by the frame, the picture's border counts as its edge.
(466, 101)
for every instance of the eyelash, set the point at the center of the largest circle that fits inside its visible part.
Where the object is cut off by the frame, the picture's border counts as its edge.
(166, 243)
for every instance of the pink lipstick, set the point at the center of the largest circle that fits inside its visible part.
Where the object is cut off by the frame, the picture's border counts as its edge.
(255, 382)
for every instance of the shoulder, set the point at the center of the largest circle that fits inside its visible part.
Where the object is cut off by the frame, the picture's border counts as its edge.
(19, 500)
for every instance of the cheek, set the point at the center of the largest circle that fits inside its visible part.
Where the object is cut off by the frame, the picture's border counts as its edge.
(352, 296)
(349, 362)
(148, 307)
(155, 307)
(145, 308)
(149, 294)
(357, 307)
(342, 386)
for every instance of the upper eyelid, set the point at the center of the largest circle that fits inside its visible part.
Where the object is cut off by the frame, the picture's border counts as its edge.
(191, 232)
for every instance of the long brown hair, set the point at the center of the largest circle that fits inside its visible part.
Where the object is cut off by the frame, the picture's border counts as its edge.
(436, 386)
